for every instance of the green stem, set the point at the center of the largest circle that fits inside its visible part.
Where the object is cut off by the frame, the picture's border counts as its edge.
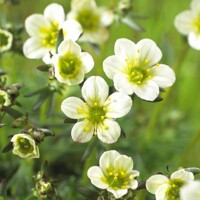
(155, 115)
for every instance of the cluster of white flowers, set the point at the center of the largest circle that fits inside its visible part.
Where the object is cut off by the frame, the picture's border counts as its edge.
(134, 69)
(179, 186)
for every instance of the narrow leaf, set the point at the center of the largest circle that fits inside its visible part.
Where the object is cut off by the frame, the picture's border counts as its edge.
(36, 92)
(59, 39)
(12, 112)
(44, 68)
(8, 147)
(70, 121)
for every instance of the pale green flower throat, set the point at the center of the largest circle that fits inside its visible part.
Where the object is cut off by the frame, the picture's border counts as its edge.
(69, 65)
(173, 192)
(3, 39)
(88, 20)
(25, 146)
(119, 179)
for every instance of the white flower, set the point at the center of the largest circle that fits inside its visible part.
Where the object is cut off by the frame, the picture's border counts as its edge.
(6, 39)
(70, 64)
(190, 191)
(4, 99)
(94, 20)
(96, 115)
(115, 173)
(188, 23)
(24, 146)
(134, 69)
(166, 188)
(43, 31)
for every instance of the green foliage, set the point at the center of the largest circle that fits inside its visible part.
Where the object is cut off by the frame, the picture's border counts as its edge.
(160, 136)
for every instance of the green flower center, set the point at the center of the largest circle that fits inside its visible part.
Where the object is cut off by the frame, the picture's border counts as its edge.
(137, 74)
(97, 114)
(25, 146)
(69, 65)
(3, 39)
(88, 20)
(49, 35)
(173, 192)
(2, 100)
(196, 25)
(118, 179)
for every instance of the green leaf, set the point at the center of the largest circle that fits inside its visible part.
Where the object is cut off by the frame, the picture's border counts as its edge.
(42, 98)
(194, 170)
(12, 112)
(44, 68)
(59, 39)
(3, 189)
(36, 92)
(70, 121)
(131, 23)
(90, 194)
(8, 147)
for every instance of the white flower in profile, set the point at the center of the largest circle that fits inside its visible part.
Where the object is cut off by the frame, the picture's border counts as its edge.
(135, 69)
(24, 146)
(96, 116)
(70, 64)
(4, 98)
(44, 29)
(115, 173)
(188, 24)
(6, 39)
(166, 188)
(93, 20)
(190, 191)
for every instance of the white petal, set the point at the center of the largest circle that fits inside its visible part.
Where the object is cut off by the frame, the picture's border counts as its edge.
(194, 40)
(124, 163)
(149, 53)
(109, 132)
(195, 5)
(107, 159)
(55, 13)
(125, 48)
(32, 49)
(118, 105)
(190, 191)
(87, 61)
(82, 132)
(34, 23)
(163, 75)
(74, 108)
(107, 17)
(147, 91)
(183, 22)
(183, 175)
(72, 29)
(134, 184)
(161, 192)
(96, 176)
(77, 5)
(122, 84)
(69, 46)
(155, 181)
(117, 193)
(95, 90)
(113, 65)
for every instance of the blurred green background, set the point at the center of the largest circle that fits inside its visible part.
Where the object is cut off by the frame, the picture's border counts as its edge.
(160, 137)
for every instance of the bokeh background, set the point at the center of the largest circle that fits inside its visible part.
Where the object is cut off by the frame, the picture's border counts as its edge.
(160, 137)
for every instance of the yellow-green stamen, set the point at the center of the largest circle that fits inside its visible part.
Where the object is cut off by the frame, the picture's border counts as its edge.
(49, 35)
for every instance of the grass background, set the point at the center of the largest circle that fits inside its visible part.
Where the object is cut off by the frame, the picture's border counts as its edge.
(160, 137)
